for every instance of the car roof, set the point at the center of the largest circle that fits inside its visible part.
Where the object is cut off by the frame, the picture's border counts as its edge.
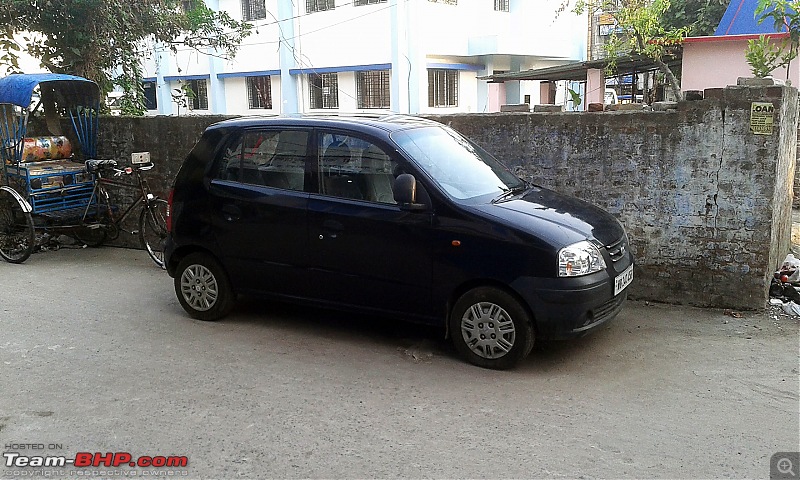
(387, 123)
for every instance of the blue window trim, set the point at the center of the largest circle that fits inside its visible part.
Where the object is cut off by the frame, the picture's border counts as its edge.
(348, 68)
(261, 73)
(150, 79)
(175, 78)
(457, 66)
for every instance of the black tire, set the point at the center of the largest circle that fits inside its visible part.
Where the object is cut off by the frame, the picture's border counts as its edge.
(491, 329)
(17, 237)
(203, 288)
(92, 235)
(153, 229)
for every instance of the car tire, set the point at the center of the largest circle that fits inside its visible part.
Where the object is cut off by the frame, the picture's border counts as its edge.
(203, 288)
(491, 329)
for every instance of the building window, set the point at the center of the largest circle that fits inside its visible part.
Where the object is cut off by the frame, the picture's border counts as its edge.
(150, 97)
(372, 88)
(448, 2)
(259, 92)
(199, 97)
(442, 88)
(319, 5)
(359, 3)
(324, 90)
(253, 10)
(501, 5)
(188, 5)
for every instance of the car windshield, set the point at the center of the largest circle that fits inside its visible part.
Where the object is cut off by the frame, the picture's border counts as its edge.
(461, 168)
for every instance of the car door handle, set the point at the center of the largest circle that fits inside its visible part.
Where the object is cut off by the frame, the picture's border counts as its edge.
(331, 229)
(231, 213)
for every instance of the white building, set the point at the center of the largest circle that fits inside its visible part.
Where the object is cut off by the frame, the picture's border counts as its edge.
(403, 56)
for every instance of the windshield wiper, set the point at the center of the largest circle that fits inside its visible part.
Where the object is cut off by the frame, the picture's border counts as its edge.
(510, 192)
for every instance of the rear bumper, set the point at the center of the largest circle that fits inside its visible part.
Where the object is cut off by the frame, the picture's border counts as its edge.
(169, 247)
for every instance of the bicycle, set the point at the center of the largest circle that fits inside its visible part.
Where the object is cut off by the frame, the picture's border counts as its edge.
(101, 223)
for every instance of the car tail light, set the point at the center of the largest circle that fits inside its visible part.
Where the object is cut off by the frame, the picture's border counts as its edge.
(169, 211)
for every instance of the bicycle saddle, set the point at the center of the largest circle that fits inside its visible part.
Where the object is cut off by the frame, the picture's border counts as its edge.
(93, 166)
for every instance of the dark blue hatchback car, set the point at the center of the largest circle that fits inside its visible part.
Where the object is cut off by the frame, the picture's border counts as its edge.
(394, 215)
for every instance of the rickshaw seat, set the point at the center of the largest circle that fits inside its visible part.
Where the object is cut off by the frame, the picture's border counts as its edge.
(41, 149)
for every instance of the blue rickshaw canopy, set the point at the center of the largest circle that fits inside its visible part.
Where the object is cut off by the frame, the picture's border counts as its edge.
(17, 89)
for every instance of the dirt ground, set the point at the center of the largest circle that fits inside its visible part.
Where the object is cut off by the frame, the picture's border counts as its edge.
(97, 356)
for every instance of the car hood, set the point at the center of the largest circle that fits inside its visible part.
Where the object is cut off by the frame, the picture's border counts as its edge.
(560, 218)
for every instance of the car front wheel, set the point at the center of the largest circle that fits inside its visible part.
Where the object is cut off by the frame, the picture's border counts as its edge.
(491, 329)
(203, 288)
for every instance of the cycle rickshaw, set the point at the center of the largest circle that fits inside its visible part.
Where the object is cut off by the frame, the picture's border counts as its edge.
(51, 187)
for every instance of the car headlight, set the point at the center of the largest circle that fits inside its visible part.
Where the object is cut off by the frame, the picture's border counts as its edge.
(578, 259)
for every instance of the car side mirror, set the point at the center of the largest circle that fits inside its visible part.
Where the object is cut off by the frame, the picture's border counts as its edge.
(404, 191)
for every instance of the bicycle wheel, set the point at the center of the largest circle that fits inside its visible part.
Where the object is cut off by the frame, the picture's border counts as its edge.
(91, 235)
(17, 237)
(153, 229)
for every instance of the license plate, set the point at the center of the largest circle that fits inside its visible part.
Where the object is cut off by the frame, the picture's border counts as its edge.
(623, 280)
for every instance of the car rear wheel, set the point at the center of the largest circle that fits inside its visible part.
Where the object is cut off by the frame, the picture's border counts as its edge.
(203, 288)
(491, 329)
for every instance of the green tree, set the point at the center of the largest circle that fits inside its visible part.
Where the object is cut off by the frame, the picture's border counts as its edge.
(640, 30)
(103, 40)
(701, 17)
(762, 55)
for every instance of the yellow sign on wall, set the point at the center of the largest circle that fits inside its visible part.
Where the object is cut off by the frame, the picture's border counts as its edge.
(762, 118)
(606, 19)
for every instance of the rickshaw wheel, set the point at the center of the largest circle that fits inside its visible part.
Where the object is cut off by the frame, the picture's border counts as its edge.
(17, 237)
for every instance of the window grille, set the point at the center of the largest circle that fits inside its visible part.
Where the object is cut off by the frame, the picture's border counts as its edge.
(259, 92)
(150, 97)
(323, 90)
(200, 99)
(372, 89)
(188, 5)
(253, 10)
(442, 88)
(501, 5)
(319, 5)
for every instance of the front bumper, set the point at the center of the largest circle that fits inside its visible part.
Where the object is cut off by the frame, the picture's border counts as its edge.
(572, 307)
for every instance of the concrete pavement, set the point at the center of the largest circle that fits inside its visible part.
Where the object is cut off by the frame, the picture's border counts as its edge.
(96, 355)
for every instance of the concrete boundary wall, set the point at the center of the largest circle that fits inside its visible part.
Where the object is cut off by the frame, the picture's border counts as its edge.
(707, 203)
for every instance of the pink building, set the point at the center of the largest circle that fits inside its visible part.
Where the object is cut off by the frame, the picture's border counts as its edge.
(718, 61)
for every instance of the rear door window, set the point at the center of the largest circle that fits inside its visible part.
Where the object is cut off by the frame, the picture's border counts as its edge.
(270, 158)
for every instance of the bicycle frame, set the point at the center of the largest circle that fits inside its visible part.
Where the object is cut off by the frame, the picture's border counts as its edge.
(100, 193)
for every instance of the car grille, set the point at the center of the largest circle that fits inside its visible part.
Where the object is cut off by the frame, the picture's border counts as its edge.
(608, 309)
(617, 249)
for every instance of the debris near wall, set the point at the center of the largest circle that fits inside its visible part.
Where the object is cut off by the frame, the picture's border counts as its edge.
(784, 290)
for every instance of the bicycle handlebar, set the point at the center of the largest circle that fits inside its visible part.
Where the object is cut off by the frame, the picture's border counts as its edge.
(130, 170)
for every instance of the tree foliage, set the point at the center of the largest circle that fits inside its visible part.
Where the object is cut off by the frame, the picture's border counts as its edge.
(640, 30)
(764, 56)
(103, 39)
(700, 17)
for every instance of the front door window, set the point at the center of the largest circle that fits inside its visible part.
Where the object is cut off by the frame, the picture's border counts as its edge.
(350, 167)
